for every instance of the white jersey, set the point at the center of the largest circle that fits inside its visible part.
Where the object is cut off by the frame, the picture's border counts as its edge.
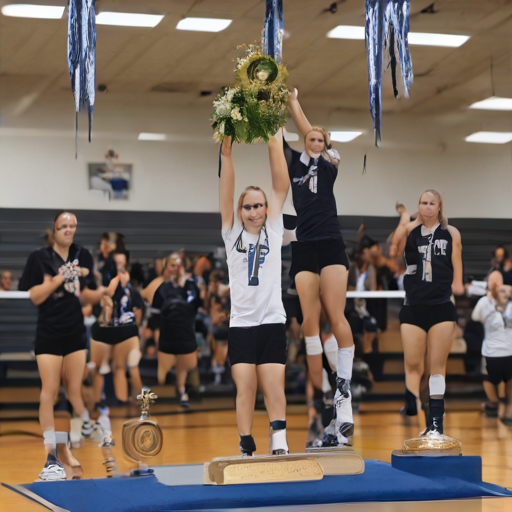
(497, 327)
(256, 296)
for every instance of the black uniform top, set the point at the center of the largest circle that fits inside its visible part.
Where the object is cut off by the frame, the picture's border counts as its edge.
(60, 315)
(125, 299)
(312, 184)
(429, 275)
(178, 306)
(107, 268)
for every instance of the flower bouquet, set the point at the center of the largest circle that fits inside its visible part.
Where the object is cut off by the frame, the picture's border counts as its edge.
(255, 108)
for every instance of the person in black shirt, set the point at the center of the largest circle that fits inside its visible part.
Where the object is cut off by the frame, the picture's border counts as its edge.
(117, 327)
(60, 279)
(177, 300)
(433, 255)
(320, 264)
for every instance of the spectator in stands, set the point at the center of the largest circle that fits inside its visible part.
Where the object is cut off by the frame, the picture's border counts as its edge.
(105, 267)
(495, 311)
(5, 281)
(499, 259)
(59, 289)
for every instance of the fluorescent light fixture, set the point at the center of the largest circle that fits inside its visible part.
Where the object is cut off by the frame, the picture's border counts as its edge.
(346, 32)
(48, 12)
(344, 136)
(152, 136)
(420, 38)
(425, 39)
(290, 136)
(128, 19)
(490, 137)
(493, 103)
(203, 24)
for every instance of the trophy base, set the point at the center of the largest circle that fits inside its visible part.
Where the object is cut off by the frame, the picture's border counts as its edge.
(282, 468)
(432, 443)
(142, 470)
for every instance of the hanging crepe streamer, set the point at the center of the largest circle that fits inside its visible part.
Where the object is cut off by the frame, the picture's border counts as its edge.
(272, 40)
(82, 56)
(387, 26)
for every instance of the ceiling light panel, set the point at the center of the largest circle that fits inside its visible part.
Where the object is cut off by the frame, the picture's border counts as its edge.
(344, 136)
(128, 19)
(152, 136)
(419, 38)
(203, 24)
(490, 137)
(493, 103)
(425, 39)
(48, 12)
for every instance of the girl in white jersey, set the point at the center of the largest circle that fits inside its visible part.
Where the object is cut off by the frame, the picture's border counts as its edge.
(253, 235)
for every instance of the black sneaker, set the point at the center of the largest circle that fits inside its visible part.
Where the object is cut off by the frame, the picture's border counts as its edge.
(436, 426)
(247, 446)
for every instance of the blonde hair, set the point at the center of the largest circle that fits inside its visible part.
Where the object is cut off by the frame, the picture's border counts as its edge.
(324, 132)
(250, 188)
(172, 257)
(441, 217)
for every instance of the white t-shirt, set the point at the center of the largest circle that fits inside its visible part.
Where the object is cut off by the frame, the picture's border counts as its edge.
(261, 301)
(497, 327)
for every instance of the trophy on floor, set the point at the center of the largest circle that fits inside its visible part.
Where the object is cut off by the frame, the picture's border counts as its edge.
(142, 438)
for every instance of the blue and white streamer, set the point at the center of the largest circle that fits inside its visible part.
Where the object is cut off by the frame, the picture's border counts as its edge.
(387, 26)
(273, 30)
(82, 55)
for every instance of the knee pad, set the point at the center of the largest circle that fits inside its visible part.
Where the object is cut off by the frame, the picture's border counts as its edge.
(331, 352)
(437, 385)
(313, 345)
(133, 358)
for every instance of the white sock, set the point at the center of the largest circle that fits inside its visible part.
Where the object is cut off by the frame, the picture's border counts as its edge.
(50, 437)
(345, 361)
(437, 386)
(279, 440)
(331, 352)
(85, 416)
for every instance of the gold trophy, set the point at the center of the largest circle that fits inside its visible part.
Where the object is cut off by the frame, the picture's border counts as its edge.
(431, 443)
(142, 438)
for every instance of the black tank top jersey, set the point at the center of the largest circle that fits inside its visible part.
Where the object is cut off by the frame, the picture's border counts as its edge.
(429, 275)
(313, 198)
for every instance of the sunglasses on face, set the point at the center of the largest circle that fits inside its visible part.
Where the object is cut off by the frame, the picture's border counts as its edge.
(249, 207)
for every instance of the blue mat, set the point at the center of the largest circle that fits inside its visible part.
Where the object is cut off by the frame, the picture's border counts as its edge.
(379, 482)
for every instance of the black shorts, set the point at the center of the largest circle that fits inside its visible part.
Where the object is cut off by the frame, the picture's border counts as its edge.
(261, 344)
(499, 369)
(113, 335)
(427, 315)
(177, 347)
(61, 347)
(314, 256)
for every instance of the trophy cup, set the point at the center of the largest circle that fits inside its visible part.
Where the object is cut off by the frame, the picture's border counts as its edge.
(142, 438)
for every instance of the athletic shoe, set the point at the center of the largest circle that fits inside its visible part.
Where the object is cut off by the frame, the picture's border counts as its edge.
(87, 428)
(435, 427)
(314, 439)
(343, 402)
(184, 400)
(333, 436)
(491, 410)
(506, 421)
(247, 446)
(53, 471)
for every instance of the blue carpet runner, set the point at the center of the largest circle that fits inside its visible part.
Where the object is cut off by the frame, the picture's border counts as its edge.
(454, 478)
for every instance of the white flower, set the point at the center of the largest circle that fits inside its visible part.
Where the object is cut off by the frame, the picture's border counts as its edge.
(235, 114)
(217, 137)
(230, 94)
(221, 128)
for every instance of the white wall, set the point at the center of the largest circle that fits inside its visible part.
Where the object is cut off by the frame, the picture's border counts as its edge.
(38, 169)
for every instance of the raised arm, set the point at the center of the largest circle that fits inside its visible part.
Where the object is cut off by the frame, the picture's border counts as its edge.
(457, 286)
(298, 116)
(227, 186)
(279, 171)
(401, 231)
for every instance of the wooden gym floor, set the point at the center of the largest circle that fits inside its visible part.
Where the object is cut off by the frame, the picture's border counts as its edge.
(196, 437)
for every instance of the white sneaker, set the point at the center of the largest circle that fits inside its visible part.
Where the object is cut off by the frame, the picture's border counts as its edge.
(53, 471)
(343, 402)
(87, 428)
